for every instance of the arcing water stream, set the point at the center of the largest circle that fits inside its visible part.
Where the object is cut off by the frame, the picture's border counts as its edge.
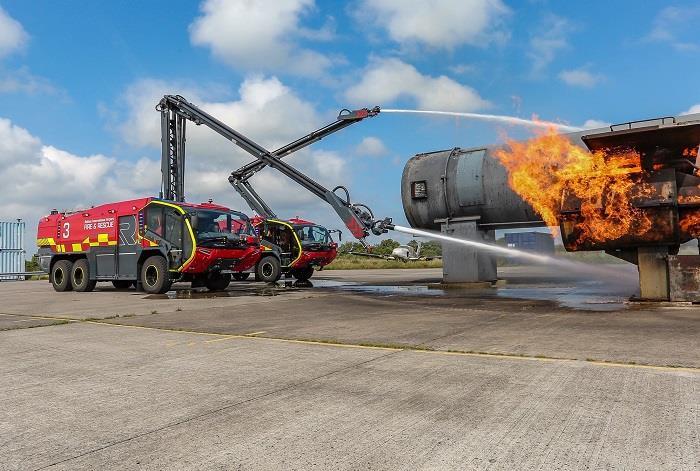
(568, 265)
(492, 117)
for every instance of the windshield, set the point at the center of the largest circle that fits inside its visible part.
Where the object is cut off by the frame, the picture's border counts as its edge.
(313, 234)
(211, 224)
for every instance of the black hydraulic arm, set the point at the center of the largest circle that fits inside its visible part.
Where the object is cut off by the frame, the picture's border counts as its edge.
(357, 217)
(345, 119)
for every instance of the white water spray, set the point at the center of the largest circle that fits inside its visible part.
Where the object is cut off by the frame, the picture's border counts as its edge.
(492, 117)
(568, 265)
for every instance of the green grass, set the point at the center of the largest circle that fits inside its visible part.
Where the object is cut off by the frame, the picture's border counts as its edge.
(353, 262)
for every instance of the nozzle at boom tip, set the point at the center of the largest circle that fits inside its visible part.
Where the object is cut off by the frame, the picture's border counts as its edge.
(382, 227)
(360, 114)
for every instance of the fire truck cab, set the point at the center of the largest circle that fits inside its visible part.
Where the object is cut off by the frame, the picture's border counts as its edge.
(147, 242)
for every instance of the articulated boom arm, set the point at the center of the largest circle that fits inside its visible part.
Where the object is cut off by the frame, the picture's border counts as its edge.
(175, 109)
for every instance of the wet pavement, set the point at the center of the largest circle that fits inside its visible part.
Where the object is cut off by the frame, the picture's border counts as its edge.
(566, 290)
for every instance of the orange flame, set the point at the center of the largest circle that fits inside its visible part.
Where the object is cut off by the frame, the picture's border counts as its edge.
(549, 170)
(690, 223)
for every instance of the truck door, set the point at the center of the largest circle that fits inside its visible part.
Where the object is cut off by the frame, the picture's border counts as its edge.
(174, 235)
(166, 222)
(127, 255)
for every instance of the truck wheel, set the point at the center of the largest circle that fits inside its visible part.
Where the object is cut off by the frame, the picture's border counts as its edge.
(217, 282)
(61, 274)
(240, 276)
(268, 269)
(303, 274)
(80, 276)
(122, 284)
(155, 276)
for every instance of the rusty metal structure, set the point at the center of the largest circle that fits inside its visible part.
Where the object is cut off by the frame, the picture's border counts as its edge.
(465, 192)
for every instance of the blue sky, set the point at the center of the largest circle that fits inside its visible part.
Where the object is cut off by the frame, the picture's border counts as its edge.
(79, 80)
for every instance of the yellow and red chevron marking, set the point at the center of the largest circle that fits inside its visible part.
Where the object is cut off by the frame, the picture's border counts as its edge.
(101, 241)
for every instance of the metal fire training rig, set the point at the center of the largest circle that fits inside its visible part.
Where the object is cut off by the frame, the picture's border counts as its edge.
(175, 110)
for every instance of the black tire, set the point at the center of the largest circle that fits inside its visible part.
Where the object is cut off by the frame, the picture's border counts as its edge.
(122, 284)
(61, 275)
(80, 276)
(268, 269)
(155, 276)
(303, 274)
(217, 282)
(240, 276)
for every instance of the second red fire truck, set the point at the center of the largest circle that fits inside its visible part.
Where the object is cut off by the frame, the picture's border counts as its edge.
(150, 242)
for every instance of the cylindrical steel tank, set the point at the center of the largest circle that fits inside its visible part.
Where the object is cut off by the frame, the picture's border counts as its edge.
(12, 252)
(462, 183)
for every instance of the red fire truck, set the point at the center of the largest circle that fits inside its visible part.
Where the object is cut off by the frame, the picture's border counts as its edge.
(294, 246)
(149, 242)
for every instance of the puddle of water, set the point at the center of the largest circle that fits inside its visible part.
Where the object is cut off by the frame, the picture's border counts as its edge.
(582, 295)
(585, 295)
(252, 289)
(573, 298)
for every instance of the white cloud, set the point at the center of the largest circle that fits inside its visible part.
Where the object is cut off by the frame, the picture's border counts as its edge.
(437, 23)
(462, 69)
(267, 111)
(548, 41)
(13, 38)
(595, 124)
(12, 35)
(692, 110)
(22, 80)
(37, 177)
(372, 147)
(580, 77)
(386, 80)
(676, 26)
(256, 35)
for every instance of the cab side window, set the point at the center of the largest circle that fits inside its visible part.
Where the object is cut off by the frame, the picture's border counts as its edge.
(173, 227)
(154, 220)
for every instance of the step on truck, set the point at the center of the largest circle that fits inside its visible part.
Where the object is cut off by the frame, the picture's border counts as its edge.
(148, 243)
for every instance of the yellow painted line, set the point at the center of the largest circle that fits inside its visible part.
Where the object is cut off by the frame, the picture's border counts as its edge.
(500, 356)
(256, 333)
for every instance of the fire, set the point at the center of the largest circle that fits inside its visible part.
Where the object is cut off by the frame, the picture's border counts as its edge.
(553, 174)
(690, 223)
